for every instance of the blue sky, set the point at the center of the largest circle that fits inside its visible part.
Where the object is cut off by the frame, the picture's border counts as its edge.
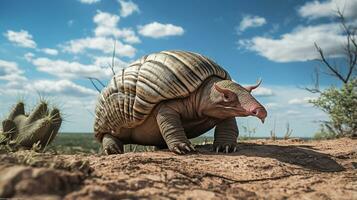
(48, 47)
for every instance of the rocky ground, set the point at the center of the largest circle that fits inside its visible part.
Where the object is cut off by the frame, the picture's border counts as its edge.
(261, 169)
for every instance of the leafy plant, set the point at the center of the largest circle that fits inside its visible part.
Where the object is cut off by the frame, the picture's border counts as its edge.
(341, 106)
(339, 103)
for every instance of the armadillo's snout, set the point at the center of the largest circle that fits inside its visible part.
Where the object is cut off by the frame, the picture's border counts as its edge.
(259, 112)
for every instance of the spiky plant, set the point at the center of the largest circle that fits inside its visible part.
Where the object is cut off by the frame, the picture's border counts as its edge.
(39, 127)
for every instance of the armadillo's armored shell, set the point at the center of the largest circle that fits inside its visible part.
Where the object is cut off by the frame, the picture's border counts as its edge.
(135, 91)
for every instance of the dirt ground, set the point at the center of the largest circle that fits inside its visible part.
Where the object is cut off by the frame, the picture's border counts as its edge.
(261, 169)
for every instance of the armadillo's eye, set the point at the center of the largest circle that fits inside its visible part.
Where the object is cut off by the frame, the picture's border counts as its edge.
(230, 97)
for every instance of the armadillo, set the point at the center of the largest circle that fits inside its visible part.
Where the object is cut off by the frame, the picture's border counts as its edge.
(166, 98)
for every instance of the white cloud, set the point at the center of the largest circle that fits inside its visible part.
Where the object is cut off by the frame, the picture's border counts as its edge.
(49, 51)
(29, 56)
(107, 26)
(251, 22)
(271, 105)
(301, 101)
(99, 43)
(316, 9)
(263, 92)
(158, 30)
(105, 61)
(21, 38)
(9, 71)
(106, 19)
(128, 35)
(59, 88)
(292, 112)
(68, 70)
(89, 1)
(299, 44)
(128, 8)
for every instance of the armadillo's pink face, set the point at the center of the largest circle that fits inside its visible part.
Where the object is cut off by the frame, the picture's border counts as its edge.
(232, 100)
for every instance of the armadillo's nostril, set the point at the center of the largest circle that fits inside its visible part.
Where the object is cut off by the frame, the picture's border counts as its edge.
(259, 112)
(255, 111)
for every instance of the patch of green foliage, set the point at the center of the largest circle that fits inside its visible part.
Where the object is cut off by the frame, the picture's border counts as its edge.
(72, 143)
(341, 106)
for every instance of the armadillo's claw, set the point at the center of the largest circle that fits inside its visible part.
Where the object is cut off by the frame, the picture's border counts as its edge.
(182, 148)
(192, 147)
(177, 150)
(187, 148)
(111, 145)
(227, 149)
(234, 149)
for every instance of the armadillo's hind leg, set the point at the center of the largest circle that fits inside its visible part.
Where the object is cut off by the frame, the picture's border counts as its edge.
(112, 145)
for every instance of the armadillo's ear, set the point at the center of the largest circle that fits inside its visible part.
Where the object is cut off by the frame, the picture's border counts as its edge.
(227, 95)
(251, 88)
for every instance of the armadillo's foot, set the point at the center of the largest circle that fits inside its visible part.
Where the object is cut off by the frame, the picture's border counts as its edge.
(182, 148)
(225, 147)
(111, 145)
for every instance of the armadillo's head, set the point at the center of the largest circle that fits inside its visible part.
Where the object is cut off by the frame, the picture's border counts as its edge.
(229, 99)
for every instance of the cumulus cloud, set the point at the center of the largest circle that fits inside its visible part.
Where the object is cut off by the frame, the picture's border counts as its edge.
(29, 56)
(318, 9)
(105, 61)
(272, 105)
(299, 44)
(99, 43)
(128, 8)
(49, 51)
(158, 30)
(107, 26)
(21, 38)
(59, 88)
(293, 112)
(9, 71)
(89, 1)
(251, 22)
(262, 92)
(301, 101)
(106, 19)
(69, 70)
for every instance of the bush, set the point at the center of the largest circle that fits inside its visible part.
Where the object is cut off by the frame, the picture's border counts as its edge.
(341, 106)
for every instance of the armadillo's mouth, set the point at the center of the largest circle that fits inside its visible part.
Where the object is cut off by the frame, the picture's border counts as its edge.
(237, 111)
(241, 112)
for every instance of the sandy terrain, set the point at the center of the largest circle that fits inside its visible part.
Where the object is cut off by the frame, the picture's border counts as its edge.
(261, 169)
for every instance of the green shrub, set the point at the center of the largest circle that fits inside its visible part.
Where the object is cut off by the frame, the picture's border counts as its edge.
(341, 106)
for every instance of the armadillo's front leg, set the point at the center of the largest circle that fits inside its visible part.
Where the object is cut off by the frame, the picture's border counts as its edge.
(112, 145)
(172, 130)
(225, 136)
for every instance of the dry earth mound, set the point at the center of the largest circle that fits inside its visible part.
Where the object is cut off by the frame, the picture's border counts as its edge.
(260, 169)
